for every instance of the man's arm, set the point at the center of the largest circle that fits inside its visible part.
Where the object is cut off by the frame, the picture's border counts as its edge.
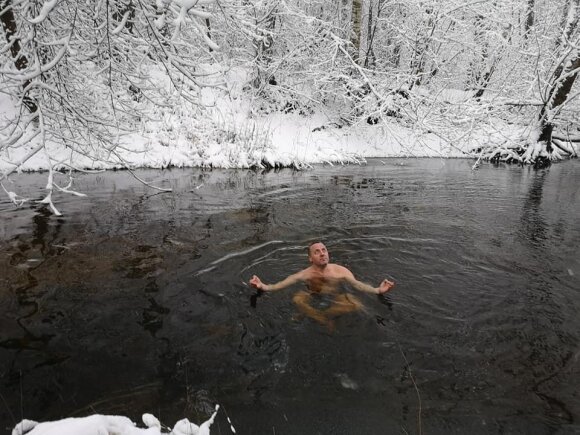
(287, 282)
(383, 287)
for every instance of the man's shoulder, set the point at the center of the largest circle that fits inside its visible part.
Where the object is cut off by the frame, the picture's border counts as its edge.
(338, 269)
(304, 273)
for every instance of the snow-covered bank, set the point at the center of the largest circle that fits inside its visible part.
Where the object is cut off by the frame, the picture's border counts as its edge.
(240, 140)
(111, 425)
(237, 129)
(289, 141)
(291, 90)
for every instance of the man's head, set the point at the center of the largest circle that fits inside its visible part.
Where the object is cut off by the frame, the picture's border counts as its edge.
(318, 255)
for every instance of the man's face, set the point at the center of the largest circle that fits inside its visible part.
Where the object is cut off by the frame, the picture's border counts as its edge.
(318, 255)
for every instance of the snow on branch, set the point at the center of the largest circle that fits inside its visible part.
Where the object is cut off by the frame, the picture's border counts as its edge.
(122, 24)
(190, 4)
(47, 7)
(14, 198)
(37, 69)
(27, 157)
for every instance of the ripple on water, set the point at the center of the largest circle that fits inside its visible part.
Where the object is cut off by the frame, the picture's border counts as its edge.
(484, 313)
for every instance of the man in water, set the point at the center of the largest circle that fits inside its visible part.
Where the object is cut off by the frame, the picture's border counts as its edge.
(323, 277)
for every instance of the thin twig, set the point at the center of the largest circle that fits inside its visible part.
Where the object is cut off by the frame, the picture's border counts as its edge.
(125, 164)
(21, 399)
(8, 408)
(419, 425)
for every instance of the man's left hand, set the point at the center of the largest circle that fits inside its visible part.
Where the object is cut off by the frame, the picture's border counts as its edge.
(385, 286)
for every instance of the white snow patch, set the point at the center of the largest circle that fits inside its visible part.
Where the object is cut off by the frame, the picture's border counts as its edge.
(111, 425)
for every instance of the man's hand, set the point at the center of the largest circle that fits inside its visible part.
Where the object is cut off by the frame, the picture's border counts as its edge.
(256, 283)
(385, 286)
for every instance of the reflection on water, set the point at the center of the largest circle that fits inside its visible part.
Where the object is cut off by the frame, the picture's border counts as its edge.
(136, 301)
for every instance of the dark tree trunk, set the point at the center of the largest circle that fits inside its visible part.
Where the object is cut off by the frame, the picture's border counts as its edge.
(421, 48)
(356, 18)
(481, 72)
(561, 93)
(208, 25)
(265, 54)
(20, 61)
(560, 87)
(483, 82)
(557, 96)
(529, 23)
(369, 60)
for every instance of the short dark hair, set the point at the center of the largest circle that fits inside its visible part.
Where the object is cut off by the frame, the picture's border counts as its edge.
(311, 244)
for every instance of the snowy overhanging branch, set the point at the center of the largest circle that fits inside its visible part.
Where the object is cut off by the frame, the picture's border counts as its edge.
(88, 85)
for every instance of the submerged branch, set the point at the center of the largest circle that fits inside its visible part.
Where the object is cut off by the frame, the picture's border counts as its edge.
(419, 410)
(126, 166)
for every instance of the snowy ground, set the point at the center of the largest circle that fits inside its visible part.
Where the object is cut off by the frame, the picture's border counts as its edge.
(234, 132)
(278, 139)
(112, 425)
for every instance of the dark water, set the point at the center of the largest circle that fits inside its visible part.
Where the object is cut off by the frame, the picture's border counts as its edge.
(135, 302)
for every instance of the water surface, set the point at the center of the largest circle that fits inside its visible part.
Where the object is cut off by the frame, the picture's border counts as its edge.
(135, 301)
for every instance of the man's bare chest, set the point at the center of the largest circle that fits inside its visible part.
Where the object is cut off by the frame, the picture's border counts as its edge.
(323, 284)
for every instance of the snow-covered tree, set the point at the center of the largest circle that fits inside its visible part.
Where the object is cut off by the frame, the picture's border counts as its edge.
(80, 73)
(495, 80)
(558, 89)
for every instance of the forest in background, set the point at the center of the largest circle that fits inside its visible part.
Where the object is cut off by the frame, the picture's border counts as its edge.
(495, 80)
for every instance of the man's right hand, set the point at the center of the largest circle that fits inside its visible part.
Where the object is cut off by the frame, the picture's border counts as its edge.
(256, 283)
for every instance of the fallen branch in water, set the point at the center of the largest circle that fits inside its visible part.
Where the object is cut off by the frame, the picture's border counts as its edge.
(408, 366)
(126, 165)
